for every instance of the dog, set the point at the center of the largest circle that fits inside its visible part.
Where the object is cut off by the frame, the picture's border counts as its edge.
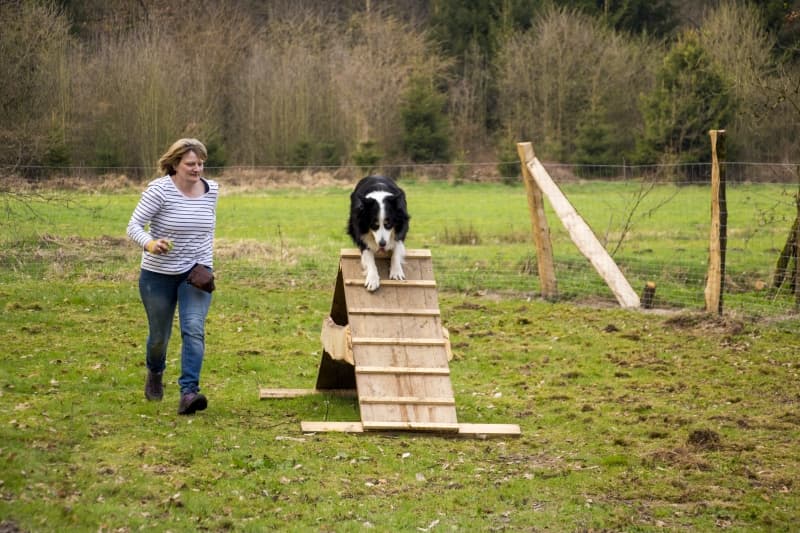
(378, 223)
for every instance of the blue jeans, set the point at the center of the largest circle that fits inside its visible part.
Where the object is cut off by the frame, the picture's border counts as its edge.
(161, 293)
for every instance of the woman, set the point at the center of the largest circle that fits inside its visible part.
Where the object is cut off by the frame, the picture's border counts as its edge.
(174, 223)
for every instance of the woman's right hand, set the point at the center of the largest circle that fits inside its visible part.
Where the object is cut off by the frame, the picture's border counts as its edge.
(158, 246)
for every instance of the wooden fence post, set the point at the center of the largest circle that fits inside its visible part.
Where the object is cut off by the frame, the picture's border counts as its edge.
(541, 231)
(715, 281)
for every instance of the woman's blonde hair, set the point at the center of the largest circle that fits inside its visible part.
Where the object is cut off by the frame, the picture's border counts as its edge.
(169, 161)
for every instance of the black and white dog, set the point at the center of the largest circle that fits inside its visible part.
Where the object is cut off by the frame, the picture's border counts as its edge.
(378, 224)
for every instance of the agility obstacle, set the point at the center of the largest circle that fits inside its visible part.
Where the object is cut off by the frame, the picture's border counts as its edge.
(389, 349)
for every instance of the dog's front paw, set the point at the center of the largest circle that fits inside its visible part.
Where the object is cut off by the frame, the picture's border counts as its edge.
(373, 281)
(397, 273)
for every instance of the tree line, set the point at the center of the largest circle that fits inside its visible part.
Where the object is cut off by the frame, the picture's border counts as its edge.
(109, 84)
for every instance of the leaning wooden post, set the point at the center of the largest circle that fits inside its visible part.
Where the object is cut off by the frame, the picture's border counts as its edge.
(715, 283)
(541, 231)
(582, 235)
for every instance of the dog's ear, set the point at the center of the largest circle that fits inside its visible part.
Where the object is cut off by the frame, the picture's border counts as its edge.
(401, 201)
(357, 202)
(398, 201)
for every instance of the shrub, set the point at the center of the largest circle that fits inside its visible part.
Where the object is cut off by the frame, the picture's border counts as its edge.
(594, 143)
(508, 166)
(425, 136)
(690, 98)
(367, 156)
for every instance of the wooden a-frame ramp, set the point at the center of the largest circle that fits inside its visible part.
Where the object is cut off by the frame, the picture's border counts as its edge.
(391, 351)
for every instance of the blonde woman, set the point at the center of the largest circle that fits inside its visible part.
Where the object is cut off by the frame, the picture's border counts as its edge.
(174, 223)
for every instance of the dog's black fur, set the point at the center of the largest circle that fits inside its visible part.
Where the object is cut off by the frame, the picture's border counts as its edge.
(378, 223)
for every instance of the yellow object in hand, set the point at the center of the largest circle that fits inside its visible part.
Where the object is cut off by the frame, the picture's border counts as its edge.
(153, 247)
(159, 246)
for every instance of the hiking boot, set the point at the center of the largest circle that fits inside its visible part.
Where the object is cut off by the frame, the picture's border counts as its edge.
(153, 388)
(191, 402)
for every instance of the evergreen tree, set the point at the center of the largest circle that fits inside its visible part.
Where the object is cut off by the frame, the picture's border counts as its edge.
(457, 24)
(474, 31)
(783, 21)
(654, 17)
(641, 16)
(594, 141)
(425, 136)
(689, 99)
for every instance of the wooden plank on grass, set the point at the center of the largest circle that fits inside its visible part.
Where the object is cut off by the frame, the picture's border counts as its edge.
(264, 394)
(461, 430)
(489, 429)
(319, 427)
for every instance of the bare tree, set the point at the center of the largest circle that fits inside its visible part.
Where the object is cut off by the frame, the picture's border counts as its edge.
(34, 51)
(734, 35)
(467, 101)
(313, 79)
(550, 75)
(372, 68)
(284, 94)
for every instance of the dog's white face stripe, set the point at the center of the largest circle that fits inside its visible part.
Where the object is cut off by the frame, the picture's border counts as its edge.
(382, 234)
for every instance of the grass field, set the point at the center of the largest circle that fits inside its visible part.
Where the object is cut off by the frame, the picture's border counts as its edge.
(631, 421)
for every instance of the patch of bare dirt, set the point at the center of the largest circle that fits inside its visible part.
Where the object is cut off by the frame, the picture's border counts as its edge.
(680, 457)
(8, 526)
(704, 439)
(706, 322)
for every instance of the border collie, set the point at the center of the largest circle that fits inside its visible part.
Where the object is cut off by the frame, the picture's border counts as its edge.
(378, 224)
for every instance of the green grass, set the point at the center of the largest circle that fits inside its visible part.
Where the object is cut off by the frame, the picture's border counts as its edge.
(631, 421)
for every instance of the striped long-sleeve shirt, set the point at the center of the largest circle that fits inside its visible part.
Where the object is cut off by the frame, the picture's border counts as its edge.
(164, 212)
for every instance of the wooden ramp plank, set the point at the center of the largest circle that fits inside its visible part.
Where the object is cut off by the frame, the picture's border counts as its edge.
(359, 282)
(393, 311)
(411, 400)
(398, 370)
(411, 253)
(397, 341)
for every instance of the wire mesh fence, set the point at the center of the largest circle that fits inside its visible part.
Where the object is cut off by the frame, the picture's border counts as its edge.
(653, 220)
